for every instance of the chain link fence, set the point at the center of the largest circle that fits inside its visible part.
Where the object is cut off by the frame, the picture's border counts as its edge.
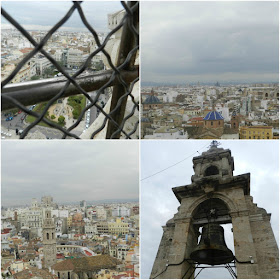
(120, 80)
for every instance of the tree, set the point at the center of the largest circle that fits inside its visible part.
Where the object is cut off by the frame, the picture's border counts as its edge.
(47, 72)
(35, 78)
(61, 120)
(52, 117)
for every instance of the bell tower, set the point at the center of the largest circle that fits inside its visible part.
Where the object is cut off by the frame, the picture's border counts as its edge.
(216, 197)
(49, 240)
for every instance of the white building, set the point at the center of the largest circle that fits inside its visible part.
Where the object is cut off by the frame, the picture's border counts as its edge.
(101, 213)
(74, 58)
(120, 211)
(41, 63)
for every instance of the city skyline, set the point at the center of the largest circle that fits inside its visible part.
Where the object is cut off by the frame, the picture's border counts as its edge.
(55, 169)
(35, 15)
(236, 43)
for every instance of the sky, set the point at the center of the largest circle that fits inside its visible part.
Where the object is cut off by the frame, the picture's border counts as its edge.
(44, 14)
(159, 204)
(191, 41)
(70, 171)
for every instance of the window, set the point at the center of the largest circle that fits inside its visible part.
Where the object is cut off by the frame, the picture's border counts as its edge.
(48, 237)
(211, 170)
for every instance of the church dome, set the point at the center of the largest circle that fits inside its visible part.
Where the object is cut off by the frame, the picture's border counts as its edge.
(213, 116)
(144, 120)
(151, 100)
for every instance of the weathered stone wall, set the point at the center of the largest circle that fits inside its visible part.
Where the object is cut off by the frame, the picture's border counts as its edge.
(163, 251)
(178, 240)
(264, 241)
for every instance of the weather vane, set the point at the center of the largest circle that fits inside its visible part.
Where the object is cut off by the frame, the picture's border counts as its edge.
(214, 144)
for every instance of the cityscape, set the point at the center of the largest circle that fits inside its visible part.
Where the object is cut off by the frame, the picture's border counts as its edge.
(71, 48)
(62, 238)
(70, 215)
(210, 112)
(210, 75)
(177, 107)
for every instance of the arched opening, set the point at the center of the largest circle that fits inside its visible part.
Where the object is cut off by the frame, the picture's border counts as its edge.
(213, 211)
(211, 170)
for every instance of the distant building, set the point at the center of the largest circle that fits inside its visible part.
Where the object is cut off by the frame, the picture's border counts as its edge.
(151, 102)
(83, 204)
(255, 132)
(234, 121)
(120, 211)
(118, 227)
(47, 201)
(74, 58)
(49, 240)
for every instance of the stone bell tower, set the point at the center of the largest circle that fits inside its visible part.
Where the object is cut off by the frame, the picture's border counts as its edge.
(214, 190)
(49, 240)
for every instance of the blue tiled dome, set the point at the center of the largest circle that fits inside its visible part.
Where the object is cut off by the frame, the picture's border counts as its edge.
(213, 116)
(144, 120)
(151, 100)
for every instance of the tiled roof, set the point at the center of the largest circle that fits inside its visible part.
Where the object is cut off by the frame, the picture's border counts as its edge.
(87, 263)
(151, 100)
(26, 50)
(213, 116)
(34, 272)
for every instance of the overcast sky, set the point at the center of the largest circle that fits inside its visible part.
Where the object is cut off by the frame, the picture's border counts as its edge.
(45, 14)
(69, 170)
(211, 41)
(159, 204)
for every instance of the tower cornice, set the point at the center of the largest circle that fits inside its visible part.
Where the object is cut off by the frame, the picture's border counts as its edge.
(212, 184)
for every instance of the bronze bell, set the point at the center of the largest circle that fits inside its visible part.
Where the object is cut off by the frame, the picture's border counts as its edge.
(212, 248)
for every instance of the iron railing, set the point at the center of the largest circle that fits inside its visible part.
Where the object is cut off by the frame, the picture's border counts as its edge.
(122, 77)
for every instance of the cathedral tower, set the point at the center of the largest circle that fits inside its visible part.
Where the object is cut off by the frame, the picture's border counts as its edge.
(49, 240)
(216, 191)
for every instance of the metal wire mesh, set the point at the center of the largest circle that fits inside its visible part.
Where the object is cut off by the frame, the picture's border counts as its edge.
(122, 86)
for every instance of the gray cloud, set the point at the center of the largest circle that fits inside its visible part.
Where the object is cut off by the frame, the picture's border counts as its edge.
(158, 203)
(69, 171)
(206, 41)
(48, 13)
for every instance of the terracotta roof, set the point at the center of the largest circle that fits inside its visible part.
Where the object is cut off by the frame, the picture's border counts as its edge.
(88, 253)
(34, 272)
(26, 50)
(197, 119)
(64, 265)
(87, 263)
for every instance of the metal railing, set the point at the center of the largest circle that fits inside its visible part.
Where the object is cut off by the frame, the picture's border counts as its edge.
(122, 77)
